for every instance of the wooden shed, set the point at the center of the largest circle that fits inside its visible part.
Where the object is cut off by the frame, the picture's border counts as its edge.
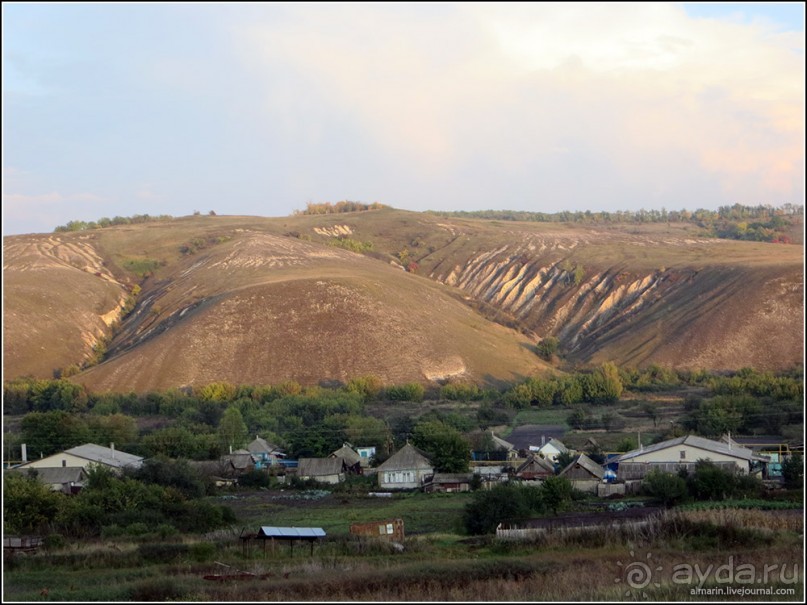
(389, 530)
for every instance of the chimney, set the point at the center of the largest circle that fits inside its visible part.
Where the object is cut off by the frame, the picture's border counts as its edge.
(112, 447)
(639, 439)
(729, 439)
(24, 453)
(543, 440)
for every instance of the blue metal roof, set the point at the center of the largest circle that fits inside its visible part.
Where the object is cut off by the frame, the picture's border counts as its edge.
(292, 532)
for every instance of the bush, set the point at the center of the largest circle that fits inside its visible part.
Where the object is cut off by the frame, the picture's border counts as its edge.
(460, 392)
(667, 488)
(503, 502)
(202, 551)
(406, 392)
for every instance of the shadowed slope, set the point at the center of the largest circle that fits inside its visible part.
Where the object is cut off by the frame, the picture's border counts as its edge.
(262, 309)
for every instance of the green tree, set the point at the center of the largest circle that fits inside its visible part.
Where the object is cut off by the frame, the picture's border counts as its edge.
(113, 428)
(711, 482)
(29, 506)
(177, 474)
(507, 501)
(369, 386)
(667, 488)
(556, 493)
(793, 472)
(564, 459)
(49, 432)
(547, 347)
(449, 450)
(406, 392)
(232, 429)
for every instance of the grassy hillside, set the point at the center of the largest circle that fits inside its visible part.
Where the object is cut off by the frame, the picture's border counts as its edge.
(260, 300)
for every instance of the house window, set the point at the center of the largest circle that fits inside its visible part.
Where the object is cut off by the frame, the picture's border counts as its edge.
(683, 454)
(389, 528)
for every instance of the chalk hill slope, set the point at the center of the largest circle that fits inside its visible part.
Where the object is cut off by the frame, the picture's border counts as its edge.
(252, 300)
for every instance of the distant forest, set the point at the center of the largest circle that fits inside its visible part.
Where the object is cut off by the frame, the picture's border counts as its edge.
(762, 223)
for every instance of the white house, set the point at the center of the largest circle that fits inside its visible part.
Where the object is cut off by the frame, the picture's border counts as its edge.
(408, 468)
(684, 452)
(87, 455)
(551, 449)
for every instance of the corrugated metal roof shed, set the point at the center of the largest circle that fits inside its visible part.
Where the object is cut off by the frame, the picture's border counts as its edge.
(291, 532)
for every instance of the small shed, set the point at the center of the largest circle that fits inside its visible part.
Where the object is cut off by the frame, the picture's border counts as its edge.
(449, 482)
(291, 535)
(389, 530)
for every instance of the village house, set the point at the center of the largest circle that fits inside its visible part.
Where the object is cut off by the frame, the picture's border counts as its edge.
(351, 458)
(534, 468)
(66, 479)
(264, 454)
(583, 473)
(367, 454)
(408, 468)
(85, 456)
(237, 463)
(530, 437)
(551, 449)
(683, 452)
(324, 470)
(500, 450)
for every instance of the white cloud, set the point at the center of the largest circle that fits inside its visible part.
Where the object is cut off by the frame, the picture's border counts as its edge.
(638, 86)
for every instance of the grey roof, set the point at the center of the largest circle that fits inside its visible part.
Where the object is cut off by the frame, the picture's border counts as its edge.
(291, 532)
(105, 455)
(534, 461)
(501, 443)
(348, 454)
(56, 475)
(262, 446)
(587, 463)
(240, 459)
(407, 458)
(557, 444)
(702, 443)
(318, 467)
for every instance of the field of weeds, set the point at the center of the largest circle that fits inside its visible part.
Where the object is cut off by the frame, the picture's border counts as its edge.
(677, 557)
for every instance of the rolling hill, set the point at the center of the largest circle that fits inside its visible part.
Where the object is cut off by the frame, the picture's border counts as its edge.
(252, 300)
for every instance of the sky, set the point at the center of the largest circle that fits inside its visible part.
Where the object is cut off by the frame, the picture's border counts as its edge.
(117, 109)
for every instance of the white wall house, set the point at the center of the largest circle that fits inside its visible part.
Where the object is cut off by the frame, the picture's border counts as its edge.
(686, 451)
(86, 455)
(407, 468)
